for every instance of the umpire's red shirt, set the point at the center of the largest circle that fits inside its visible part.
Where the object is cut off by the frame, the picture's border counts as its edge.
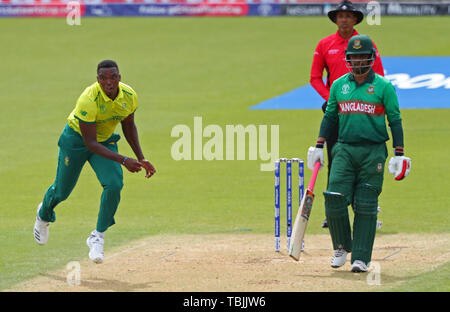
(330, 55)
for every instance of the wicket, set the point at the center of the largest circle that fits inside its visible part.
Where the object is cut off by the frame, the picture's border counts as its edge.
(301, 182)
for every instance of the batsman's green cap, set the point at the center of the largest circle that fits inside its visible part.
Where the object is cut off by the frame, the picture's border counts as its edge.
(360, 44)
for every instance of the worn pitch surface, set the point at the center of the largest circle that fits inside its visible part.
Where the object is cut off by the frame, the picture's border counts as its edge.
(245, 262)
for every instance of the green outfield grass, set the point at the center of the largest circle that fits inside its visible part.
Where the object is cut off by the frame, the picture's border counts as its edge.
(215, 68)
(433, 281)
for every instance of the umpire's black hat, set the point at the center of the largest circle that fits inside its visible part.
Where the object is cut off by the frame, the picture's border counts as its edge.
(348, 7)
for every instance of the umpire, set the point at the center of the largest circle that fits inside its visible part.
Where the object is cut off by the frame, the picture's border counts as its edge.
(330, 56)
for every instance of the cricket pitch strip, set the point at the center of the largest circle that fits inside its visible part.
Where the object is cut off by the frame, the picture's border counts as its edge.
(244, 263)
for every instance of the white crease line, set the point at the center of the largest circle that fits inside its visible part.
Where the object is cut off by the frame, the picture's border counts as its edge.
(392, 254)
(136, 247)
(435, 266)
(443, 256)
(163, 257)
(125, 251)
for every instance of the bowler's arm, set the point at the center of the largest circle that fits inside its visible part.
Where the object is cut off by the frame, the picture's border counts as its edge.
(89, 134)
(131, 135)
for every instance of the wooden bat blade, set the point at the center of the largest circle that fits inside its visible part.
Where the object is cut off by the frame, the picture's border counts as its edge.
(301, 221)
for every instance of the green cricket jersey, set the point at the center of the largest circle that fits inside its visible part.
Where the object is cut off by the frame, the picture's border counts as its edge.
(361, 110)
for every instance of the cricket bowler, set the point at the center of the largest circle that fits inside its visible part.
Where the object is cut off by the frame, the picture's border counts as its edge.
(360, 101)
(88, 137)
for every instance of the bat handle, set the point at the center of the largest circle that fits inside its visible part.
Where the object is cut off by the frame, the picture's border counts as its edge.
(312, 182)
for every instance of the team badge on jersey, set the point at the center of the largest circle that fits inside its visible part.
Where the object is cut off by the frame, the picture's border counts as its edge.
(102, 108)
(66, 161)
(124, 105)
(345, 88)
(370, 89)
(357, 44)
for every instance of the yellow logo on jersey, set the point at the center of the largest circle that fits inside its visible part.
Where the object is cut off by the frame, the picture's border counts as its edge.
(66, 160)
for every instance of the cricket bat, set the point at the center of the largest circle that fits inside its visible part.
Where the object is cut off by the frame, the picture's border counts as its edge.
(301, 220)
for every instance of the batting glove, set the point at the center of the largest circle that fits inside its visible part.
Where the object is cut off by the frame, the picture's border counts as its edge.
(314, 155)
(399, 166)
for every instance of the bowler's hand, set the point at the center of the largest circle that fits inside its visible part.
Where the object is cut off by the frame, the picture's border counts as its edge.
(150, 170)
(132, 165)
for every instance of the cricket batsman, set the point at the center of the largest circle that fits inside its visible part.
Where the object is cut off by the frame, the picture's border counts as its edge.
(329, 56)
(88, 137)
(360, 101)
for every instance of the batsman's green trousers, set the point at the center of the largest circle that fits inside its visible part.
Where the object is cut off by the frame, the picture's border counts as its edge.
(72, 156)
(356, 178)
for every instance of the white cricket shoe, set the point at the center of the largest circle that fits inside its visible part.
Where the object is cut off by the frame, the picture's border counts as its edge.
(359, 266)
(339, 258)
(95, 243)
(41, 228)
